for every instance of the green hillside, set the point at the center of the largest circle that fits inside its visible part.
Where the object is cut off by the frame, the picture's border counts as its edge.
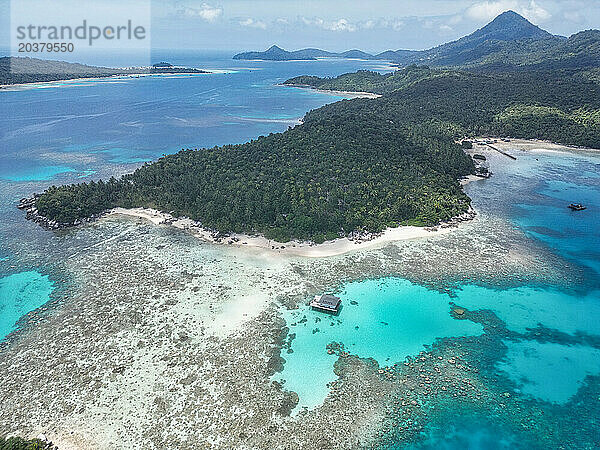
(363, 164)
(508, 43)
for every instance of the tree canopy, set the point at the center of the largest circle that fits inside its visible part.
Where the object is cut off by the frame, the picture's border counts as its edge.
(362, 164)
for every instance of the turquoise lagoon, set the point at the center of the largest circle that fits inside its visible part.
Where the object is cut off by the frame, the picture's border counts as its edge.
(386, 319)
(394, 318)
(391, 318)
(33, 173)
(21, 293)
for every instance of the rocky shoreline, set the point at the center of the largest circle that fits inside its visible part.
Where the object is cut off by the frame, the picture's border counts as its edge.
(467, 216)
(28, 204)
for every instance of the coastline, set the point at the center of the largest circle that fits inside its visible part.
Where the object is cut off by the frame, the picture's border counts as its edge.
(526, 145)
(35, 84)
(354, 242)
(210, 332)
(533, 145)
(294, 248)
(350, 94)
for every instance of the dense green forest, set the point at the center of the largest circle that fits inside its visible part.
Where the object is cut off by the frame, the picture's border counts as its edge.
(367, 81)
(561, 106)
(361, 164)
(317, 181)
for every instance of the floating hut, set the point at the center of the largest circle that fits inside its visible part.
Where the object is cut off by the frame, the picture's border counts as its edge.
(326, 303)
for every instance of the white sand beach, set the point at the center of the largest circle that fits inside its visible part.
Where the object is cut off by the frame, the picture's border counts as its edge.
(347, 94)
(536, 145)
(293, 248)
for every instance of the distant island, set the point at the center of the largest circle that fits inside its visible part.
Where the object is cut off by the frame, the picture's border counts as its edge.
(275, 53)
(509, 42)
(355, 166)
(17, 70)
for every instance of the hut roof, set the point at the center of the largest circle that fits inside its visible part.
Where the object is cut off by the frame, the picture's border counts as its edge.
(329, 300)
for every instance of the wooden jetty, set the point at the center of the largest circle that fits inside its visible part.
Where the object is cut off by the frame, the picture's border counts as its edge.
(501, 151)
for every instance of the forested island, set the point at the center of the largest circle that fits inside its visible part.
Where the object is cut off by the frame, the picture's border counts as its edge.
(32, 70)
(321, 180)
(275, 53)
(363, 164)
(358, 165)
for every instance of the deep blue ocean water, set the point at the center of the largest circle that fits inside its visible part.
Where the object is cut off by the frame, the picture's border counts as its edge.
(82, 130)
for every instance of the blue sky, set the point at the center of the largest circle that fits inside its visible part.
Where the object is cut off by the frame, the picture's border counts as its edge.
(371, 25)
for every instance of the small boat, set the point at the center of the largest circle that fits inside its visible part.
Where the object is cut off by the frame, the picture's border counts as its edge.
(577, 207)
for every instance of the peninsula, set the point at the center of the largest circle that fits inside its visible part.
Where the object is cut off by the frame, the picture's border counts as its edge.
(352, 167)
(17, 70)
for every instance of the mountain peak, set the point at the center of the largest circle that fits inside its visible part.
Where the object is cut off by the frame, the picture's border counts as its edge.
(511, 15)
(510, 26)
(274, 48)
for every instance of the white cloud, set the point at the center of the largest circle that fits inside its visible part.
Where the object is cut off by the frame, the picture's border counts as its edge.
(253, 23)
(455, 20)
(316, 22)
(346, 25)
(341, 25)
(535, 12)
(488, 10)
(334, 25)
(368, 25)
(205, 12)
(394, 24)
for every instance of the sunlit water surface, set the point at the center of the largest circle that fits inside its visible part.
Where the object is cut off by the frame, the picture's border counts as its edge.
(83, 130)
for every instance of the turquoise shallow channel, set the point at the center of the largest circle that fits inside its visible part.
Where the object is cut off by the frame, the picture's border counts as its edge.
(20, 293)
(386, 319)
(390, 319)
